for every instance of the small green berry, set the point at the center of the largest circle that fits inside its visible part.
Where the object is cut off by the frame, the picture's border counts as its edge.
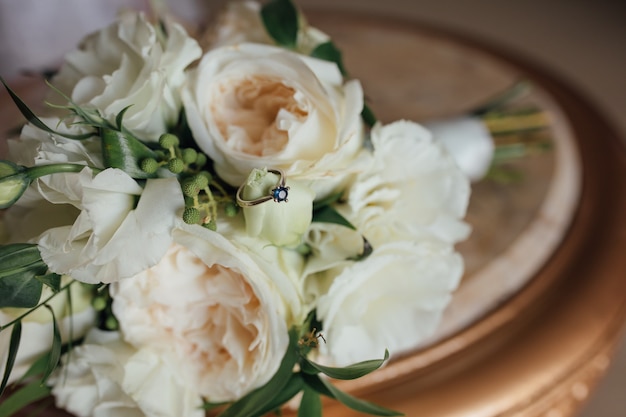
(211, 225)
(176, 165)
(167, 140)
(149, 165)
(99, 303)
(111, 323)
(189, 155)
(191, 215)
(207, 175)
(231, 209)
(201, 159)
(190, 188)
(201, 181)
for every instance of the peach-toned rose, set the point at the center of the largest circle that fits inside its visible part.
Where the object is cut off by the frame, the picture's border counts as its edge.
(258, 106)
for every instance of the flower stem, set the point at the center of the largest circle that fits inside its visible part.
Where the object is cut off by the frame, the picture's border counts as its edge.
(43, 170)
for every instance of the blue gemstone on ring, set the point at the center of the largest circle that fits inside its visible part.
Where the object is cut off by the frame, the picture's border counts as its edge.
(280, 194)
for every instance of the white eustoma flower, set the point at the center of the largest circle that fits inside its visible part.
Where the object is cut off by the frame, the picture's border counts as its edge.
(115, 236)
(37, 327)
(391, 300)
(256, 106)
(130, 63)
(212, 308)
(411, 189)
(106, 377)
(282, 223)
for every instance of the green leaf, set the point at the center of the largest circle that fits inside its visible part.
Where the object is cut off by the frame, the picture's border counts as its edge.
(368, 116)
(280, 19)
(55, 350)
(20, 263)
(354, 371)
(256, 401)
(311, 405)
(14, 345)
(120, 117)
(326, 388)
(327, 214)
(329, 52)
(293, 387)
(333, 198)
(123, 151)
(32, 118)
(15, 255)
(20, 290)
(52, 280)
(21, 398)
(518, 89)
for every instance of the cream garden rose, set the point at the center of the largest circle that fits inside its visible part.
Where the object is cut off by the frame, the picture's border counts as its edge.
(131, 63)
(114, 236)
(210, 306)
(255, 106)
(391, 300)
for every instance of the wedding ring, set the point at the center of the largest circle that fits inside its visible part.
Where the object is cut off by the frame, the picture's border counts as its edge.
(278, 193)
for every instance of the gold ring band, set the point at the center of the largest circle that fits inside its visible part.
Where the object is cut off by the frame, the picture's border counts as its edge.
(278, 193)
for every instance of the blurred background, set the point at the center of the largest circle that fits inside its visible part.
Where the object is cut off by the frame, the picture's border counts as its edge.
(582, 41)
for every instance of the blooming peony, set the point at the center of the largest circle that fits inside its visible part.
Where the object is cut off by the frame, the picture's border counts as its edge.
(212, 308)
(106, 377)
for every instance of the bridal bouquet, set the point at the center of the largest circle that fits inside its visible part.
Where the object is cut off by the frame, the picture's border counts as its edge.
(217, 223)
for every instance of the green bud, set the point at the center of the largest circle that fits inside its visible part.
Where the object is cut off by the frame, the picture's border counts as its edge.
(176, 165)
(167, 140)
(189, 155)
(201, 159)
(231, 209)
(149, 165)
(13, 183)
(191, 215)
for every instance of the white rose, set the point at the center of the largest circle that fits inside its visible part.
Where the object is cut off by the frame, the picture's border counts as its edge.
(411, 189)
(240, 22)
(106, 377)
(37, 327)
(210, 306)
(282, 223)
(469, 142)
(114, 236)
(255, 106)
(130, 63)
(391, 300)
